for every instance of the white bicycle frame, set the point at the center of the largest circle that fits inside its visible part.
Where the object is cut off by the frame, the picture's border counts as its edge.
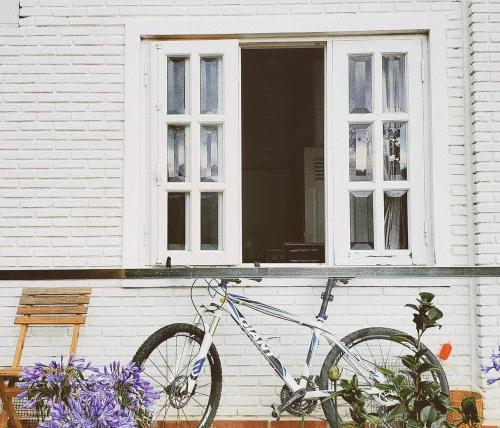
(229, 302)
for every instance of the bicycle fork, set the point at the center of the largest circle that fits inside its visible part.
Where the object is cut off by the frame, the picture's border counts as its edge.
(201, 357)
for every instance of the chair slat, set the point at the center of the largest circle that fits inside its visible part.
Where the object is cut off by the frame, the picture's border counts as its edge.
(54, 300)
(38, 291)
(50, 320)
(52, 310)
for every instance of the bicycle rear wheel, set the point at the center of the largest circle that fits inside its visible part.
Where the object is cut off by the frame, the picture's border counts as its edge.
(378, 347)
(167, 357)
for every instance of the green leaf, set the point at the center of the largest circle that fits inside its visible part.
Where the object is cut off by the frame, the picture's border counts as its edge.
(409, 361)
(386, 372)
(469, 410)
(428, 415)
(428, 367)
(426, 297)
(435, 314)
(399, 411)
(412, 423)
(405, 339)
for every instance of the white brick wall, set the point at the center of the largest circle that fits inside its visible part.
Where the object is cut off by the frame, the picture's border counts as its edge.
(484, 35)
(120, 319)
(61, 152)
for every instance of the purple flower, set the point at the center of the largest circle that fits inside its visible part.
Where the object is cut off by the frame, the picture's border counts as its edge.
(76, 395)
(495, 365)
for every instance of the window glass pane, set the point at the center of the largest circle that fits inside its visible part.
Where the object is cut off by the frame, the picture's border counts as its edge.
(176, 85)
(360, 83)
(361, 220)
(210, 85)
(176, 153)
(395, 151)
(176, 232)
(210, 221)
(209, 156)
(360, 152)
(396, 219)
(394, 83)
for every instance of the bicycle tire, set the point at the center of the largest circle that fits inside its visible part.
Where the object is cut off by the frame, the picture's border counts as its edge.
(353, 339)
(161, 336)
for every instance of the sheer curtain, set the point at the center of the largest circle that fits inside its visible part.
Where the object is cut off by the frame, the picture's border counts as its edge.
(396, 220)
(394, 88)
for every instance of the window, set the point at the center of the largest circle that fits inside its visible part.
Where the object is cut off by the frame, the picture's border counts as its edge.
(293, 152)
(378, 155)
(194, 123)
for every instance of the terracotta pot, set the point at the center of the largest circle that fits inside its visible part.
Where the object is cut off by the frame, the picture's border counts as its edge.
(456, 397)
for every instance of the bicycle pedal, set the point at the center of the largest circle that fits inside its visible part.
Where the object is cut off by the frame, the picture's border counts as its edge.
(296, 396)
(275, 414)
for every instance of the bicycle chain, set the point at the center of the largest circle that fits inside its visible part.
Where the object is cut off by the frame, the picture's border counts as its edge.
(303, 407)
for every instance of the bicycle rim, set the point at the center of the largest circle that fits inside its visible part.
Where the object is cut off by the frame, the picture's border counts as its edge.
(377, 347)
(167, 361)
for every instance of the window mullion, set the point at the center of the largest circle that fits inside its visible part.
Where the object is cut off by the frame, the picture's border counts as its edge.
(195, 213)
(378, 197)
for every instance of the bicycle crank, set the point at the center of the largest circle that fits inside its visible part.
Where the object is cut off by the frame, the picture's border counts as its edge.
(297, 396)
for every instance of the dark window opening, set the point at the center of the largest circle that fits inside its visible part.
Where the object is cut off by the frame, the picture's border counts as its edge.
(283, 155)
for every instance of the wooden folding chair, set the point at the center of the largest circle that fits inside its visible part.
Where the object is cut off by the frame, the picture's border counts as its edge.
(40, 307)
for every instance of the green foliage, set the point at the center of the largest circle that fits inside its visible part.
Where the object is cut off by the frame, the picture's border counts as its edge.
(420, 401)
(354, 396)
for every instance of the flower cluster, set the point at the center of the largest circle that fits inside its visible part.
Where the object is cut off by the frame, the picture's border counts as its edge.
(77, 395)
(495, 365)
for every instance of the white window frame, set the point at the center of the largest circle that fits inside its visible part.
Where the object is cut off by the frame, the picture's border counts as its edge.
(417, 198)
(136, 227)
(227, 120)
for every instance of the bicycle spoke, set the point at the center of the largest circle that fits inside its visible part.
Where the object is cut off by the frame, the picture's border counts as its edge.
(153, 379)
(388, 353)
(202, 386)
(199, 404)
(188, 410)
(185, 417)
(166, 363)
(186, 366)
(159, 371)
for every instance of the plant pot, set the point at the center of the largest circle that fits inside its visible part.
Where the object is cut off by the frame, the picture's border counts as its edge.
(456, 397)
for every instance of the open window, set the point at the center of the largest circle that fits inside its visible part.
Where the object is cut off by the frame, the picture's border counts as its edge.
(287, 153)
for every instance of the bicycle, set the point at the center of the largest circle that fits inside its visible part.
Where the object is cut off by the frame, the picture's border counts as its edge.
(191, 379)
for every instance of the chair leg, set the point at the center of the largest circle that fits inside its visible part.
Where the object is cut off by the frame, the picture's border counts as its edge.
(9, 412)
(3, 419)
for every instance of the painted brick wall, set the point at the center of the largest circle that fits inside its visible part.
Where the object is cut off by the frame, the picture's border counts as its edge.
(62, 113)
(484, 36)
(61, 153)
(120, 319)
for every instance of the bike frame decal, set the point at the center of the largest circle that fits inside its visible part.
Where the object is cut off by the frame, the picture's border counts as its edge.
(197, 366)
(261, 345)
(312, 348)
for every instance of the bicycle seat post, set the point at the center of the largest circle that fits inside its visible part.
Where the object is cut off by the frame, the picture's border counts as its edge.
(328, 297)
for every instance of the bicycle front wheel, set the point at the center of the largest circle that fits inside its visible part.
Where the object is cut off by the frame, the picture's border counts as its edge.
(167, 357)
(378, 347)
